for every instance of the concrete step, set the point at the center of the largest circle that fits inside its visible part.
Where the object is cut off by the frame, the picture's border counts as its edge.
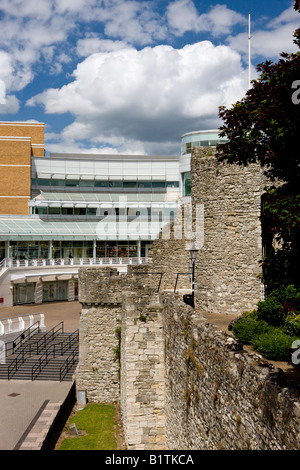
(58, 349)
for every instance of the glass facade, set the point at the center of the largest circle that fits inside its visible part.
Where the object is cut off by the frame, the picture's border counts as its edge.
(24, 293)
(186, 183)
(200, 139)
(31, 250)
(28, 249)
(55, 291)
(60, 184)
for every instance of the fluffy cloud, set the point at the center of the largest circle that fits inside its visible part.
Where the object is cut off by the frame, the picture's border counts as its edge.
(128, 96)
(183, 16)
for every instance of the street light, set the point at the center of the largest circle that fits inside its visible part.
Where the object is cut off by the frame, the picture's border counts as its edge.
(190, 299)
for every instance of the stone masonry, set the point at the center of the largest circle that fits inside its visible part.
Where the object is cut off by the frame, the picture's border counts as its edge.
(183, 383)
(227, 265)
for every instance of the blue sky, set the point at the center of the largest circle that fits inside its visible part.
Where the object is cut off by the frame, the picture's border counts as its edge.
(122, 76)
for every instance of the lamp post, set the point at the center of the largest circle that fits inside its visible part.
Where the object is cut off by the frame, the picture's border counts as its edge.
(193, 253)
(190, 299)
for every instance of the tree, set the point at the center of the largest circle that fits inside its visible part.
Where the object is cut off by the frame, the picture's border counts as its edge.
(264, 127)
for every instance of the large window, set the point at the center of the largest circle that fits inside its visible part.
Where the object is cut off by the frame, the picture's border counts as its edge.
(24, 293)
(55, 291)
(89, 184)
(28, 250)
(186, 183)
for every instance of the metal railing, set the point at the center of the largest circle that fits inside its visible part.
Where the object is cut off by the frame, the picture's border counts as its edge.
(150, 273)
(51, 352)
(49, 336)
(26, 334)
(69, 362)
(21, 263)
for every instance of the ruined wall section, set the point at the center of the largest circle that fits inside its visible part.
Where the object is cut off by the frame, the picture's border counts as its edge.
(218, 396)
(227, 266)
(169, 253)
(100, 293)
(143, 371)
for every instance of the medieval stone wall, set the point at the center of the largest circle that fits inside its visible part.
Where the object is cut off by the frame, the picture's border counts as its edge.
(100, 293)
(218, 396)
(227, 265)
(183, 383)
(143, 372)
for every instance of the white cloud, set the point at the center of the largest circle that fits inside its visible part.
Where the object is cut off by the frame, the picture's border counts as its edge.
(2, 92)
(127, 97)
(183, 16)
(92, 44)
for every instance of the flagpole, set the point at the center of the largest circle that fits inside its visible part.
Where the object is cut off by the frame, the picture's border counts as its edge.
(249, 53)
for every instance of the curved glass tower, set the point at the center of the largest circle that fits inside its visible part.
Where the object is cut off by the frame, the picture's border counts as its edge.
(190, 140)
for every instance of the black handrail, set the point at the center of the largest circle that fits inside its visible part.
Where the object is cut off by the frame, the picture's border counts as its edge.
(43, 360)
(49, 336)
(67, 364)
(177, 280)
(145, 272)
(22, 337)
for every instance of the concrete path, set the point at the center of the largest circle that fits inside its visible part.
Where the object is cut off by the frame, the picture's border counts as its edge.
(27, 409)
(24, 411)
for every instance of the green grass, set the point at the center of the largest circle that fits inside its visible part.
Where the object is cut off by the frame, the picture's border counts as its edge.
(97, 420)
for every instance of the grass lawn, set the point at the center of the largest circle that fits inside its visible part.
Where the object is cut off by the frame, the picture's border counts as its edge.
(97, 423)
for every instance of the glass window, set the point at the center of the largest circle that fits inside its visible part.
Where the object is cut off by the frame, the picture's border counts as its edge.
(186, 183)
(115, 184)
(55, 182)
(41, 210)
(43, 182)
(86, 183)
(91, 211)
(129, 184)
(144, 184)
(101, 184)
(158, 184)
(72, 183)
(67, 210)
(80, 211)
(54, 210)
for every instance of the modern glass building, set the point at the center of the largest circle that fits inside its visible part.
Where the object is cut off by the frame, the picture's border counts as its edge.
(190, 140)
(81, 210)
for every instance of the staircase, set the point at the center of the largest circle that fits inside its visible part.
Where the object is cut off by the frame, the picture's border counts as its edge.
(42, 356)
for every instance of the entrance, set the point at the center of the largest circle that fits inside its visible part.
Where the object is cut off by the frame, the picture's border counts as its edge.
(24, 293)
(55, 291)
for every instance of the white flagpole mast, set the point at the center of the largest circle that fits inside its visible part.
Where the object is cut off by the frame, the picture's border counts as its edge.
(249, 52)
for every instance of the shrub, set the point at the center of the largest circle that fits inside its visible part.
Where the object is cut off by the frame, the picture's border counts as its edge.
(274, 344)
(247, 327)
(278, 305)
(292, 324)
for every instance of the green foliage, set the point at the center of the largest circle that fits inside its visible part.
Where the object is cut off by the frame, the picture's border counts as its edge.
(247, 327)
(263, 127)
(281, 234)
(278, 305)
(97, 420)
(274, 344)
(292, 324)
(273, 326)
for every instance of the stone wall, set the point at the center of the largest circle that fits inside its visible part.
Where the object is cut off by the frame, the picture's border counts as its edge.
(219, 396)
(100, 294)
(227, 265)
(142, 372)
(169, 254)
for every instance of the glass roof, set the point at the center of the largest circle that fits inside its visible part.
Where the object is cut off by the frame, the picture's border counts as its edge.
(22, 228)
(98, 197)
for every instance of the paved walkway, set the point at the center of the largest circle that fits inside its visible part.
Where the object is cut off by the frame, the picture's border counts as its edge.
(27, 409)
